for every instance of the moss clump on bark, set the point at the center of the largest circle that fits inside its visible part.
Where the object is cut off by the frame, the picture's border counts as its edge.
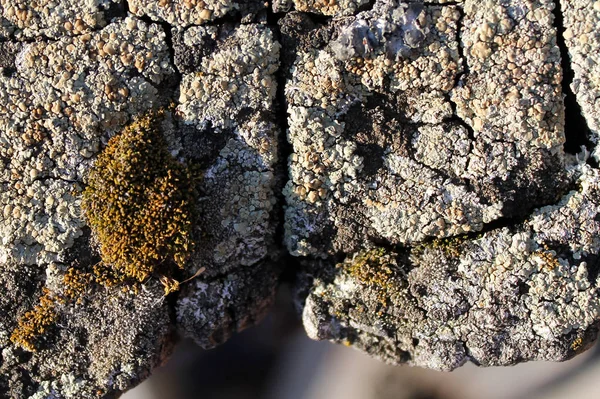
(376, 269)
(33, 324)
(139, 202)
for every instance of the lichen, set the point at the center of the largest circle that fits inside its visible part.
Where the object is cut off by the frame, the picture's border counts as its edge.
(400, 32)
(325, 7)
(139, 202)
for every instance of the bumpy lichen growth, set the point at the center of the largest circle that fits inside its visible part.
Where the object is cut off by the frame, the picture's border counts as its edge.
(139, 202)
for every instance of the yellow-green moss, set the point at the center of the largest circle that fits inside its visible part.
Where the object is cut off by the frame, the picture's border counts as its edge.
(371, 267)
(139, 203)
(451, 247)
(374, 268)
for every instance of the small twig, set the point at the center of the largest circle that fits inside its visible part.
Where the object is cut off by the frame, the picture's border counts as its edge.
(199, 272)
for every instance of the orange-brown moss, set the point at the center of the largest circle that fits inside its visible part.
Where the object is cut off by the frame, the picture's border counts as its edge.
(170, 285)
(77, 283)
(139, 203)
(105, 275)
(33, 324)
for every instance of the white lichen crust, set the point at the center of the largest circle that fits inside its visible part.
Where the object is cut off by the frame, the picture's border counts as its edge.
(211, 310)
(512, 92)
(184, 13)
(581, 19)
(227, 106)
(230, 98)
(335, 8)
(396, 136)
(61, 100)
(329, 7)
(525, 293)
(21, 19)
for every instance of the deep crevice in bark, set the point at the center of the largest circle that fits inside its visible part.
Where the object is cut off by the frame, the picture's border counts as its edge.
(366, 7)
(458, 82)
(461, 77)
(577, 132)
(290, 264)
(170, 84)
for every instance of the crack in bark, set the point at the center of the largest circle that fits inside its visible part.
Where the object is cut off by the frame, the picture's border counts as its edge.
(577, 131)
(575, 136)
(286, 149)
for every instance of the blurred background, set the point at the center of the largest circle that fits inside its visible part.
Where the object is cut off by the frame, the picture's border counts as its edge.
(275, 360)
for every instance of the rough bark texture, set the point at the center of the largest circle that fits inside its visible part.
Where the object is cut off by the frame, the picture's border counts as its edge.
(417, 159)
